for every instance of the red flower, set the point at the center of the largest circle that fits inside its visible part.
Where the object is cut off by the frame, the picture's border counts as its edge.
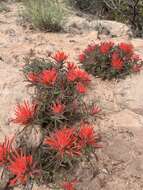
(64, 142)
(87, 135)
(95, 109)
(126, 48)
(71, 66)
(78, 74)
(58, 108)
(25, 113)
(5, 149)
(82, 57)
(60, 56)
(81, 88)
(105, 47)
(136, 68)
(117, 64)
(90, 48)
(82, 75)
(21, 166)
(48, 77)
(33, 77)
(70, 185)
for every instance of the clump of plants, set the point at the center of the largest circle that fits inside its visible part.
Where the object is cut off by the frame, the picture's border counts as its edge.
(59, 87)
(57, 107)
(46, 14)
(108, 60)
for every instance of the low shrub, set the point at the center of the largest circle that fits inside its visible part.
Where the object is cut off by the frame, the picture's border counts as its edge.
(57, 105)
(59, 88)
(46, 14)
(59, 150)
(108, 60)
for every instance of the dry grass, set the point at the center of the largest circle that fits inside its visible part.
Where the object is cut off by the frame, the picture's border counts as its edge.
(46, 14)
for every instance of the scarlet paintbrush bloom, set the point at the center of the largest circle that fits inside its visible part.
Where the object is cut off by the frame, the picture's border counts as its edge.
(95, 109)
(87, 135)
(22, 167)
(60, 56)
(64, 142)
(117, 64)
(25, 113)
(82, 57)
(33, 77)
(82, 75)
(69, 185)
(78, 75)
(48, 77)
(58, 108)
(126, 48)
(5, 149)
(81, 88)
(90, 48)
(71, 66)
(105, 47)
(72, 75)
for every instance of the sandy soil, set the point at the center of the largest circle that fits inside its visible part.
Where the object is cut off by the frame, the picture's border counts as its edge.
(120, 165)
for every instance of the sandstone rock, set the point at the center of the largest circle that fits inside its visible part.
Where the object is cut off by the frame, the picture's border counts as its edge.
(129, 93)
(115, 28)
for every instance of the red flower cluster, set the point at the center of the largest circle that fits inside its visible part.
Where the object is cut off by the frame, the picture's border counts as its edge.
(108, 60)
(73, 74)
(105, 47)
(63, 141)
(80, 88)
(82, 57)
(60, 56)
(57, 86)
(69, 185)
(76, 74)
(87, 136)
(90, 48)
(48, 77)
(5, 149)
(70, 141)
(126, 48)
(79, 76)
(58, 108)
(25, 113)
(94, 110)
(21, 166)
(33, 77)
(117, 63)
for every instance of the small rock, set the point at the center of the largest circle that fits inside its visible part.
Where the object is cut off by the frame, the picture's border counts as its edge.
(31, 137)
